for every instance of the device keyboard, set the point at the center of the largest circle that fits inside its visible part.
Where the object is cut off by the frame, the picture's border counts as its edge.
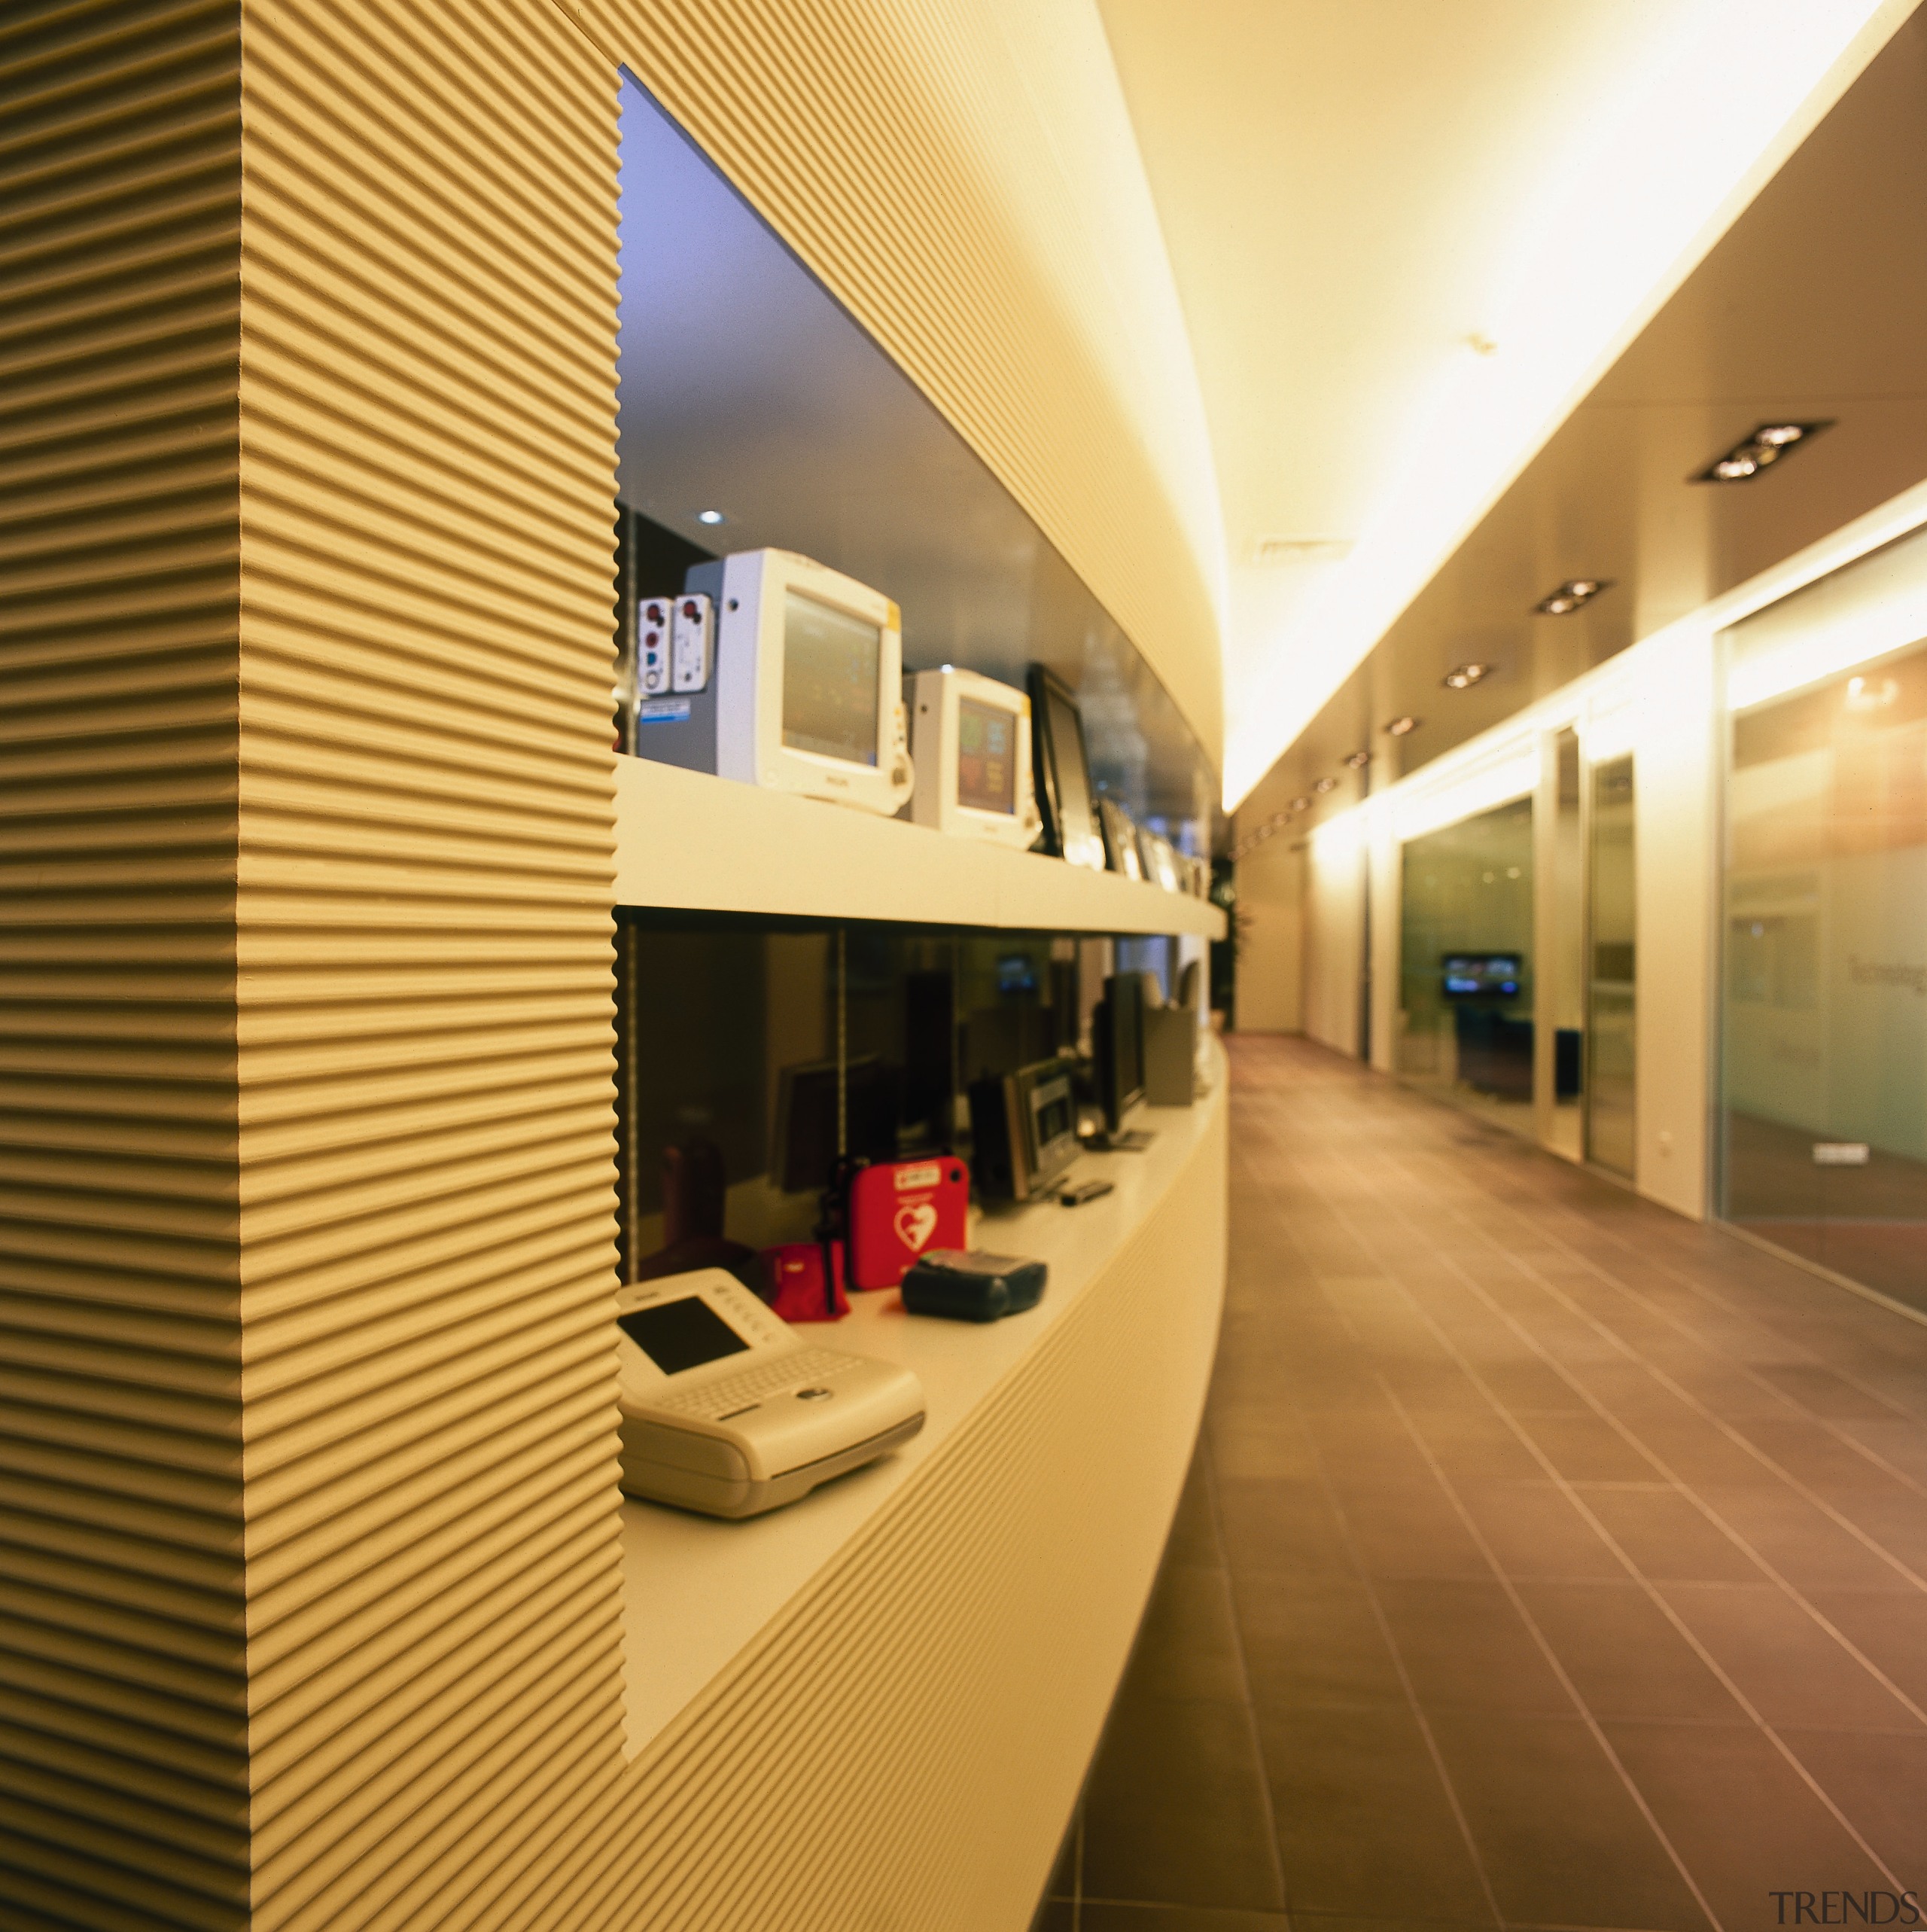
(793, 1368)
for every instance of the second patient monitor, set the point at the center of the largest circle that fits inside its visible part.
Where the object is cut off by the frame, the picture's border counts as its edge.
(971, 737)
(806, 695)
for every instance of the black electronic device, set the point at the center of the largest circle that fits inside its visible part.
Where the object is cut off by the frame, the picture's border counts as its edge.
(804, 1146)
(970, 1285)
(1076, 1195)
(930, 1055)
(1187, 984)
(1062, 769)
(1024, 1130)
(1482, 976)
(1117, 1052)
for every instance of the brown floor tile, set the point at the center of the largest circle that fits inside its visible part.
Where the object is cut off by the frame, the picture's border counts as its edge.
(1880, 1783)
(1474, 1443)
(1054, 1914)
(1465, 1647)
(1667, 1535)
(1364, 1824)
(1624, 1656)
(1895, 1519)
(1313, 1640)
(1695, 1451)
(1272, 1524)
(1588, 1449)
(1110, 1915)
(1561, 1839)
(1740, 1818)
(1194, 1530)
(1274, 1445)
(1526, 1387)
(1187, 1645)
(1800, 1540)
(1823, 1391)
(1782, 1661)
(1410, 1529)
(1812, 1454)
(1888, 1627)
(1175, 1808)
(1534, 1529)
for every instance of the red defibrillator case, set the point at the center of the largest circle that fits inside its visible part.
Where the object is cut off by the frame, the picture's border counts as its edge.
(898, 1209)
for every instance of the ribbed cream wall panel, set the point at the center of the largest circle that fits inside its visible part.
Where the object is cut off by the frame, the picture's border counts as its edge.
(426, 866)
(871, 137)
(122, 1688)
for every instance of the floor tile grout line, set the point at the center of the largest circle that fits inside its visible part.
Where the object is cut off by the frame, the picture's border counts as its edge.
(1566, 1211)
(1369, 1585)
(1572, 1690)
(1546, 1287)
(1659, 1601)
(1243, 1673)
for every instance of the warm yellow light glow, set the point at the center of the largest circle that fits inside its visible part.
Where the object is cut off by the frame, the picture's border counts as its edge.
(1650, 180)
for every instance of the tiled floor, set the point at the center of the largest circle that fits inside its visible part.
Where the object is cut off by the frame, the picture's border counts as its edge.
(1548, 1561)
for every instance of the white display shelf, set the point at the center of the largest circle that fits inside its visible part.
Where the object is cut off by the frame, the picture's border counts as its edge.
(689, 841)
(696, 1591)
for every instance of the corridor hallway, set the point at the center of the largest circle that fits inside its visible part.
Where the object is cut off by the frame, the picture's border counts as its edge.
(1547, 1561)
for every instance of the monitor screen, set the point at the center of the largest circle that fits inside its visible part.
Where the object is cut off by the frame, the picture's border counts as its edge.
(831, 663)
(1083, 843)
(1053, 1114)
(682, 1334)
(1481, 975)
(986, 756)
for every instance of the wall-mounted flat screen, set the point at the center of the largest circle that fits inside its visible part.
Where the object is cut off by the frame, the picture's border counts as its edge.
(986, 756)
(1482, 976)
(831, 661)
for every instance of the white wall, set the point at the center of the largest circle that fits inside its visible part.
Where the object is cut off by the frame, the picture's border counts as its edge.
(1270, 920)
(1335, 934)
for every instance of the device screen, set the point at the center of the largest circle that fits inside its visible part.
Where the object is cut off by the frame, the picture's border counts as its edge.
(830, 665)
(1469, 975)
(986, 756)
(1082, 842)
(680, 1335)
(1055, 1115)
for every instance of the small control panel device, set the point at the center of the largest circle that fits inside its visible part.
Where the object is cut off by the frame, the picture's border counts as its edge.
(970, 738)
(652, 633)
(727, 1409)
(692, 642)
(970, 1285)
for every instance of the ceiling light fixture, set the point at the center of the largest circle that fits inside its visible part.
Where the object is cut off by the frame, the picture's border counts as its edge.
(1573, 594)
(709, 517)
(1325, 785)
(1359, 760)
(1463, 677)
(1768, 442)
(1301, 803)
(1400, 727)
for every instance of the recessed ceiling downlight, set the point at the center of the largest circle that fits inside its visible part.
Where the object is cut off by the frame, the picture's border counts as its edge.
(1574, 594)
(1400, 727)
(1768, 443)
(1463, 677)
(1302, 802)
(709, 517)
(1359, 760)
(1325, 785)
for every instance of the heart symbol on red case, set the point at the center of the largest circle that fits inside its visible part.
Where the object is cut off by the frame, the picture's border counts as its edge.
(916, 1222)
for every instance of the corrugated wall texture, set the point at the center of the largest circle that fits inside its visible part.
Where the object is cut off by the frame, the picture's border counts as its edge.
(426, 867)
(123, 1690)
(871, 137)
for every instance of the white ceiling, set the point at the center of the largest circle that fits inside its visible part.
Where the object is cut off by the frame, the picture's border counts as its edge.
(1407, 236)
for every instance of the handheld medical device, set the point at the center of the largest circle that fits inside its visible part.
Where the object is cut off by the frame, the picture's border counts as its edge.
(805, 695)
(970, 740)
(727, 1409)
(971, 1285)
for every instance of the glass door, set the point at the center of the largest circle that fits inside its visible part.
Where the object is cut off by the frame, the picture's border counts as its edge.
(1824, 1062)
(1612, 938)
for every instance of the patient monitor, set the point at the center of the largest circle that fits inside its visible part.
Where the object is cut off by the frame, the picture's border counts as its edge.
(971, 737)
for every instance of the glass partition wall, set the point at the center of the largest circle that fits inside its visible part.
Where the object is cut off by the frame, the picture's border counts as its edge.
(1611, 938)
(1824, 1066)
(1465, 975)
